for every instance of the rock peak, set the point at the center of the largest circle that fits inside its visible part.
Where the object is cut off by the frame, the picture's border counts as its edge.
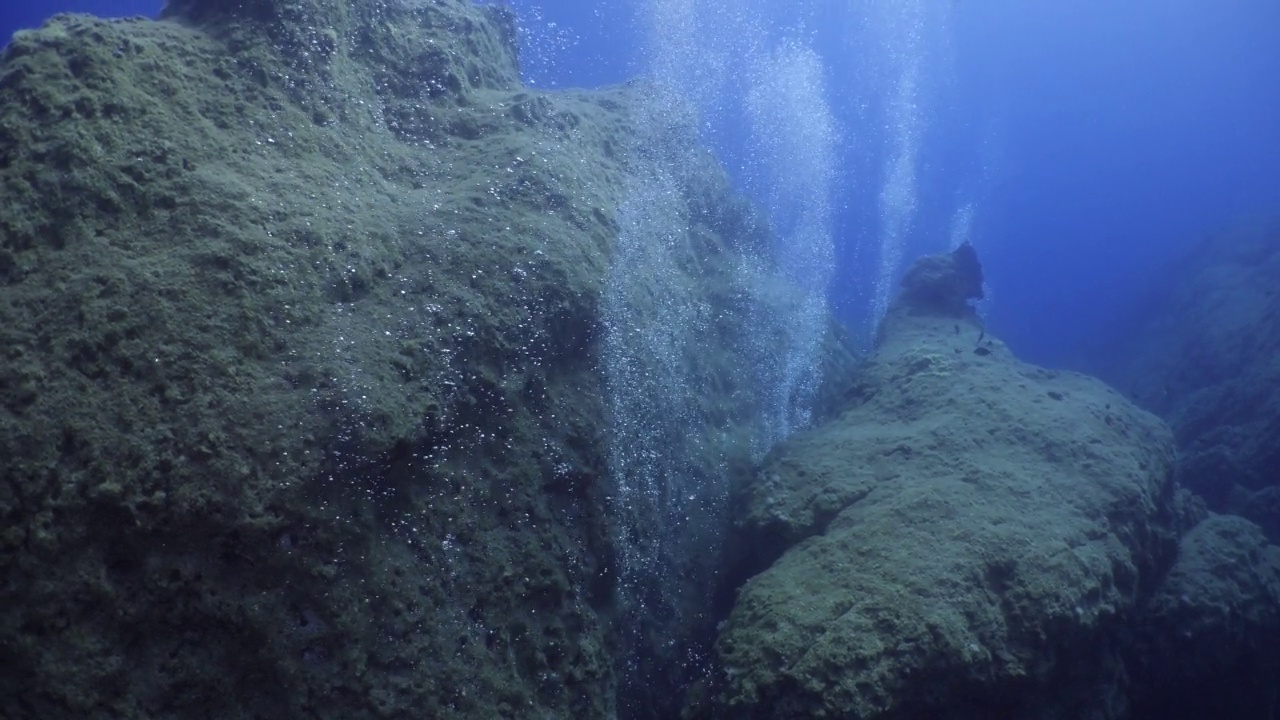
(942, 284)
(936, 287)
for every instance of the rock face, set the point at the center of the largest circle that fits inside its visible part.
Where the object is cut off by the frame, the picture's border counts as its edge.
(1201, 353)
(273, 347)
(967, 540)
(1206, 643)
(300, 405)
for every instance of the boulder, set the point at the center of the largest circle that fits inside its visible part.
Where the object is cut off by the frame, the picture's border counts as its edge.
(1205, 644)
(942, 284)
(967, 539)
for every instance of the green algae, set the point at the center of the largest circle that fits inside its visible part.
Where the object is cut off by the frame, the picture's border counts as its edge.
(961, 540)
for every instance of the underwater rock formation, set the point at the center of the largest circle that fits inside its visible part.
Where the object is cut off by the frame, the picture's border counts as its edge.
(300, 406)
(1201, 353)
(942, 284)
(1205, 645)
(968, 539)
(275, 329)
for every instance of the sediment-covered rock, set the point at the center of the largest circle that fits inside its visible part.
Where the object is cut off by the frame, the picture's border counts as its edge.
(967, 540)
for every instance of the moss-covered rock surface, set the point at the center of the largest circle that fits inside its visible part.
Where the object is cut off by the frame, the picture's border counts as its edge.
(968, 539)
(300, 405)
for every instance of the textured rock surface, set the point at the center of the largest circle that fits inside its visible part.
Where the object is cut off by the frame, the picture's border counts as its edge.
(943, 285)
(1207, 640)
(271, 421)
(1203, 353)
(967, 540)
(299, 400)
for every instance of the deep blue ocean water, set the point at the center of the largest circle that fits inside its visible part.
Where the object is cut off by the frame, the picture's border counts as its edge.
(1093, 141)
(1078, 145)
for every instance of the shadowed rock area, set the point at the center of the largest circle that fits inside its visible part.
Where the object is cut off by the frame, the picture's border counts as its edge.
(1206, 642)
(1201, 352)
(969, 539)
(300, 400)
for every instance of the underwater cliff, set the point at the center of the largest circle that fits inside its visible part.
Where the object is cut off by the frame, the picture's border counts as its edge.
(302, 400)
(1201, 351)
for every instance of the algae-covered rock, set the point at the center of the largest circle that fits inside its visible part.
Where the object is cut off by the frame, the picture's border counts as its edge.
(275, 412)
(300, 405)
(965, 541)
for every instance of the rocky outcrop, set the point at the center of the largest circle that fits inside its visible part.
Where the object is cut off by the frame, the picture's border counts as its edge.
(275, 415)
(942, 285)
(300, 400)
(968, 539)
(1200, 352)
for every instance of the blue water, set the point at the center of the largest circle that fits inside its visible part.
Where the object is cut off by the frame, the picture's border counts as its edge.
(1078, 145)
(19, 15)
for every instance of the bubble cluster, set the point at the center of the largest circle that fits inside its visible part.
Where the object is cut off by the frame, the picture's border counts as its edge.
(794, 143)
(665, 331)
